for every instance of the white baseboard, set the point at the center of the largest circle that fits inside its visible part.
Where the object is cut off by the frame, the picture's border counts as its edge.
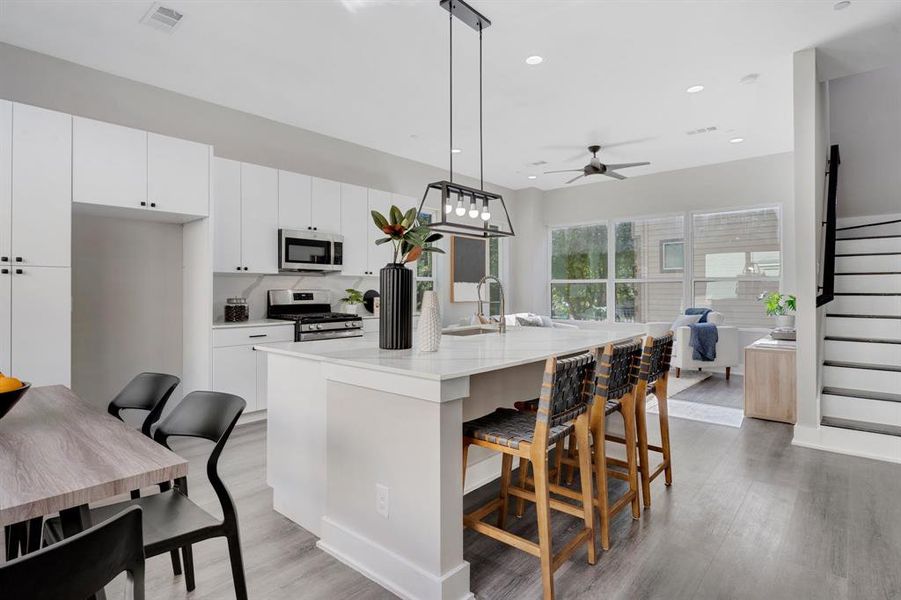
(848, 441)
(251, 417)
(390, 570)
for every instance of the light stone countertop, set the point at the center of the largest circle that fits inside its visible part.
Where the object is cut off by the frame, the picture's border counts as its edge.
(252, 323)
(458, 356)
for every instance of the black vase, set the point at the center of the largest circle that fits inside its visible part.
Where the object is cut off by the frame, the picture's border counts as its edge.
(396, 312)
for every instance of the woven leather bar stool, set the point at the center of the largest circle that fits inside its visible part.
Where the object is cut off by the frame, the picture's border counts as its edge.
(653, 376)
(566, 394)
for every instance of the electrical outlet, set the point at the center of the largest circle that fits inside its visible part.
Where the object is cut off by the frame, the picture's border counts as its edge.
(382, 504)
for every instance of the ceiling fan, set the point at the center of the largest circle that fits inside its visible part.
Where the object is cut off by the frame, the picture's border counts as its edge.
(596, 167)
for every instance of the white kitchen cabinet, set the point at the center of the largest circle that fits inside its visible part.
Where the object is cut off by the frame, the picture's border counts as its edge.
(41, 187)
(178, 176)
(355, 223)
(226, 215)
(259, 219)
(41, 324)
(6, 163)
(378, 256)
(235, 372)
(5, 318)
(325, 207)
(109, 164)
(245, 218)
(294, 201)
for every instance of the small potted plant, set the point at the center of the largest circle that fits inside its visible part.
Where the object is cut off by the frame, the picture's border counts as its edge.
(410, 239)
(352, 301)
(779, 305)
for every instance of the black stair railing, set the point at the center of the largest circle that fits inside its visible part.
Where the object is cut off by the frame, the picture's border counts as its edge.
(827, 288)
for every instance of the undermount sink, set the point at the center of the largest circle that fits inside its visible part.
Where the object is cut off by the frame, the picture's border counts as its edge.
(468, 331)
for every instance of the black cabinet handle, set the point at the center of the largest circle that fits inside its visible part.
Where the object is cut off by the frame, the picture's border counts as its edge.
(259, 335)
(18, 259)
(245, 268)
(153, 205)
(4, 271)
(315, 229)
(143, 204)
(238, 268)
(19, 271)
(4, 259)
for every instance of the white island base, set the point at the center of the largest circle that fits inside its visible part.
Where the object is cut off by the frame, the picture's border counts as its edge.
(365, 445)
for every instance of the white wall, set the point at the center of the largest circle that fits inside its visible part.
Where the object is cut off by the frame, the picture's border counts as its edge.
(126, 303)
(865, 121)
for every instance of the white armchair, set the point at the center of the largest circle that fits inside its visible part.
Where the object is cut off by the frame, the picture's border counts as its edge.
(726, 346)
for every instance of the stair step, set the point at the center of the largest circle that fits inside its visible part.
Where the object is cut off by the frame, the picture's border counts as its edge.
(868, 254)
(832, 338)
(870, 328)
(868, 237)
(850, 349)
(868, 282)
(856, 263)
(856, 316)
(856, 425)
(865, 304)
(860, 409)
(860, 365)
(868, 244)
(884, 396)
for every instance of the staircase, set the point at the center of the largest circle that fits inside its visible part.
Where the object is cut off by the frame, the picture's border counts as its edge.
(862, 354)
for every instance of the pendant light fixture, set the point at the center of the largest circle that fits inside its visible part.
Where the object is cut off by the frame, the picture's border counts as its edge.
(447, 197)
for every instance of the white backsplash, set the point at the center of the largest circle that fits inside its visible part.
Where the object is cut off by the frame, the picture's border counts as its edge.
(255, 287)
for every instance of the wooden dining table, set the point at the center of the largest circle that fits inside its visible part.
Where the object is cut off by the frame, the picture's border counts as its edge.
(58, 454)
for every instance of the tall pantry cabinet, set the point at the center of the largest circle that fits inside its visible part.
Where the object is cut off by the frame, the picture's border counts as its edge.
(35, 243)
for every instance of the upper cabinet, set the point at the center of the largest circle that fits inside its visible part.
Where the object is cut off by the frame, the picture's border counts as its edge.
(6, 165)
(355, 223)
(245, 217)
(294, 201)
(325, 208)
(109, 164)
(121, 167)
(40, 188)
(178, 175)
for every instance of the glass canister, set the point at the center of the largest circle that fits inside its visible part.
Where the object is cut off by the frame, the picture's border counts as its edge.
(236, 309)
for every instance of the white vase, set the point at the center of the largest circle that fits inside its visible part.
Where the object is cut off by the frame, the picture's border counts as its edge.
(351, 309)
(785, 321)
(429, 330)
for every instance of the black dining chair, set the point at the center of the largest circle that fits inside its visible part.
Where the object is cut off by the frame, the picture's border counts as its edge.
(80, 566)
(171, 520)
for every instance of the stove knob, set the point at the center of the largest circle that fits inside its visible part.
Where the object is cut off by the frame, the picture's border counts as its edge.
(348, 324)
(318, 326)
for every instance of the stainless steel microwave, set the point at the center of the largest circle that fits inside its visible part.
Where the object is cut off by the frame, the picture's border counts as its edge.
(309, 251)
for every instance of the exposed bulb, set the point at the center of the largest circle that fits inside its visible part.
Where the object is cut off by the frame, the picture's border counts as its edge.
(460, 210)
(448, 208)
(473, 211)
(485, 214)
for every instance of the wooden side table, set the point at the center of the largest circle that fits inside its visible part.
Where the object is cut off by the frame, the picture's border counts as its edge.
(770, 380)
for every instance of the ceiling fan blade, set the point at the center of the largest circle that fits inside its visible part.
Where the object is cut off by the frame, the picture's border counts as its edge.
(614, 175)
(626, 165)
(574, 178)
(564, 171)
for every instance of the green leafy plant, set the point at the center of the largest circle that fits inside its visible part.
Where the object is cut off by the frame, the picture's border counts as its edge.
(353, 296)
(778, 304)
(410, 237)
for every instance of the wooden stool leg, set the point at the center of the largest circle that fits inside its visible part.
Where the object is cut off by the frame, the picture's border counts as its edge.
(506, 473)
(644, 466)
(632, 458)
(523, 474)
(585, 475)
(558, 457)
(543, 510)
(664, 438)
(600, 476)
(571, 452)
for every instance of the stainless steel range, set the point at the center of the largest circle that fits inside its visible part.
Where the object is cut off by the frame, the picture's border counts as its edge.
(312, 314)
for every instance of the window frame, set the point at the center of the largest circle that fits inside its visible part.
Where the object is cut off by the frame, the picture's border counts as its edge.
(550, 267)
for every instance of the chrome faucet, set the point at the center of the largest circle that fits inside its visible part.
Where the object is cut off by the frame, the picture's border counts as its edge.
(502, 322)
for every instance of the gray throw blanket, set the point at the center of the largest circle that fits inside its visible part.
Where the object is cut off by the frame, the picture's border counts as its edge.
(704, 337)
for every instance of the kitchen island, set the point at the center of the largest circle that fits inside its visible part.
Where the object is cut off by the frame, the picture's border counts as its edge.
(364, 445)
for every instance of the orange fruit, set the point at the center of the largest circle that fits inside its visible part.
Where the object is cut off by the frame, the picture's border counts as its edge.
(8, 384)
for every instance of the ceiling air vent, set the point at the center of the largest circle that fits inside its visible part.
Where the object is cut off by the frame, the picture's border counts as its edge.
(701, 130)
(162, 18)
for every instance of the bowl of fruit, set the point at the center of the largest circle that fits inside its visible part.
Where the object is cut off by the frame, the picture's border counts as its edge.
(11, 391)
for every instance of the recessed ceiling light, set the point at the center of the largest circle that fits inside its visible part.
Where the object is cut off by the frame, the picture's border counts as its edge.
(695, 89)
(534, 60)
(841, 5)
(736, 140)
(532, 177)
(749, 78)
(456, 151)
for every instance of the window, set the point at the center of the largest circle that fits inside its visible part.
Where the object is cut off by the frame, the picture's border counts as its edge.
(425, 267)
(494, 269)
(736, 256)
(579, 272)
(649, 259)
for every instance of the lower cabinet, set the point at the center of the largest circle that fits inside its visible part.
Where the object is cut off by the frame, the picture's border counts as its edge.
(237, 368)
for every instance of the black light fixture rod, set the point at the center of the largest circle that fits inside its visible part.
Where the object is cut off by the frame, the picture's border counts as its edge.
(450, 149)
(481, 160)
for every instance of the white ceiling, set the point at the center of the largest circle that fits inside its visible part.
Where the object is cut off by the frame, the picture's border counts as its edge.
(375, 72)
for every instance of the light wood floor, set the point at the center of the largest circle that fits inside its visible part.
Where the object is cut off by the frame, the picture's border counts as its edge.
(749, 516)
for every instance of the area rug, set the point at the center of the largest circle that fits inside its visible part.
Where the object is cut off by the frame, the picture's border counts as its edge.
(695, 411)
